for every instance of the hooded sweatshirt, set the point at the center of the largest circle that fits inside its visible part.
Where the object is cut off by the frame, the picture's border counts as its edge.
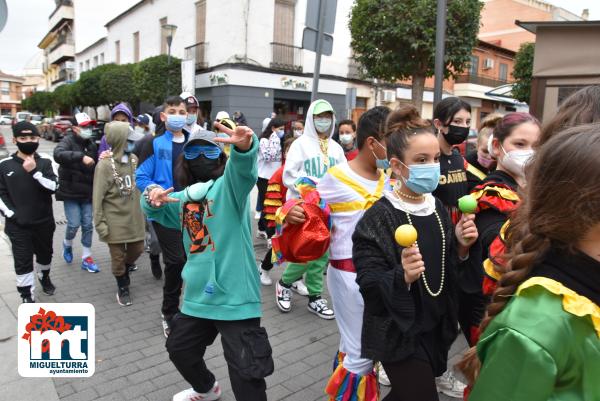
(120, 108)
(305, 159)
(118, 217)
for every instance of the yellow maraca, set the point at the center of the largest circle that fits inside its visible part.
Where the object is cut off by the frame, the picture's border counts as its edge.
(405, 235)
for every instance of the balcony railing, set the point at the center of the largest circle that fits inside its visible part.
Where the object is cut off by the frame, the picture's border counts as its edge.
(286, 57)
(480, 80)
(198, 52)
(61, 40)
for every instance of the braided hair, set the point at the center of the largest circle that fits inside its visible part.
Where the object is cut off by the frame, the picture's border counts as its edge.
(561, 204)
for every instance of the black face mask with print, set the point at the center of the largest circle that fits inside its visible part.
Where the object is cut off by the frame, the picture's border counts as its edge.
(456, 135)
(203, 169)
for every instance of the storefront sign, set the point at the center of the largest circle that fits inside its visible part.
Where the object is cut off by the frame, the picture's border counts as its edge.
(292, 83)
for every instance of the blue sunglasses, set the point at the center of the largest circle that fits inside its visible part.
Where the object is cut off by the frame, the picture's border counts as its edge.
(194, 151)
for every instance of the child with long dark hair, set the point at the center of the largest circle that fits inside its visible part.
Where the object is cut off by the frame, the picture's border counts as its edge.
(541, 336)
(410, 321)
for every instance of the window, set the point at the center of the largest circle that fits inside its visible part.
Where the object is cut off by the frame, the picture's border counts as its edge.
(201, 21)
(118, 52)
(474, 68)
(136, 47)
(5, 88)
(95, 61)
(163, 36)
(101, 58)
(503, 72)
(87, 65)
(81, 67)
(283, 31)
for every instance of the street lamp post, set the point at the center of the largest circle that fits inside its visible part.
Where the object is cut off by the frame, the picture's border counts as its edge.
(169, 31)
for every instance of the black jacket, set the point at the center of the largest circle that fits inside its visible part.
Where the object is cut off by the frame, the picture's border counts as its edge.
(26, 198)
(75, 178)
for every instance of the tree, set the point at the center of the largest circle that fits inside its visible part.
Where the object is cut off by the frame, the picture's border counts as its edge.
(395, 39)
(64, 98)
(39, 102)
(522, 72)
(89, 92)
(116, 85)
(150, 78)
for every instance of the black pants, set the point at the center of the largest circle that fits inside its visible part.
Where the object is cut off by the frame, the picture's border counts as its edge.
(241, 340)
(28, 242)
(471, 309)
(411, 380)
(266, 263)
(171, 244)
(262, 185)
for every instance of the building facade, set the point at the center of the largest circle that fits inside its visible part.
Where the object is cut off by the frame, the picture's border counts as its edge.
(11, 93)
(58, 46)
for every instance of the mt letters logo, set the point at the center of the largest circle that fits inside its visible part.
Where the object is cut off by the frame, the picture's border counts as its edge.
(56, 340)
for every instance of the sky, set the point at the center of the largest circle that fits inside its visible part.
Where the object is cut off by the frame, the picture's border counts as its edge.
(28, 23)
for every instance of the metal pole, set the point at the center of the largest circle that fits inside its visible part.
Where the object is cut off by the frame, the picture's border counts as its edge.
(317, 73)
(169, 41)
(440, 34)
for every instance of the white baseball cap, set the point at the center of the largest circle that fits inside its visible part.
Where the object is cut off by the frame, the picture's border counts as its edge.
(222, 115)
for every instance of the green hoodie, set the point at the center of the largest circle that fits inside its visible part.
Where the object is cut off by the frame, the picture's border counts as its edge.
(220, 277)
(118, 217)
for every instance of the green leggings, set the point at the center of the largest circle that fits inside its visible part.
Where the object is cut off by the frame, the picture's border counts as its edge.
(314, 274)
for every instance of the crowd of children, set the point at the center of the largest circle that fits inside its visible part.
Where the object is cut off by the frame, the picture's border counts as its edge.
(405, 264)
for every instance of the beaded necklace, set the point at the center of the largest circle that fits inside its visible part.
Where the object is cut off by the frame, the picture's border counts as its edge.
(125, 191)
(324, 146)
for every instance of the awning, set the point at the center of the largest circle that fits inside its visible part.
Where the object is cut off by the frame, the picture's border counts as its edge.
(503, 93)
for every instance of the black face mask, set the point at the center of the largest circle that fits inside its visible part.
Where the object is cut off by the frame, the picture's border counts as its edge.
(456, 135)
(203, 169)
(27, 148)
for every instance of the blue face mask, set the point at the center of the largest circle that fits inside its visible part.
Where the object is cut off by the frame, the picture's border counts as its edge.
(191, 119)
(423, 178)
(280, 133)
(175, 122)
(383, 164)
(130, 146)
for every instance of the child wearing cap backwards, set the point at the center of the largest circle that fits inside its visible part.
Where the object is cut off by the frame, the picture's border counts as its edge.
(192, 106)
(222, 290)
(77, 154)
(311, 155)
(27, 182)
(117, 214)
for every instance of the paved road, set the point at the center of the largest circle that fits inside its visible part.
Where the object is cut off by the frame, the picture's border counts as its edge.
(132, 363)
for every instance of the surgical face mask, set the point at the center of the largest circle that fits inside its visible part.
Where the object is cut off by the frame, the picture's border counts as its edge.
(175, 122)
(297, 133)
(27, 148)
(322, 124)
(456, 135)
(383, 164)
(139, 130)
(129, 147)
(85, 133)
(346, 139)
(191, 119)
(485, 161)
(516, 160)
(280, 133)
(422, 178)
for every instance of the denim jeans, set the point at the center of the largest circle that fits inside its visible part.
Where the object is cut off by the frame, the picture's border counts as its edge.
(79, 213)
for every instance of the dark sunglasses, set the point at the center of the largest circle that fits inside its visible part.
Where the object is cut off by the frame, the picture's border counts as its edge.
(194, 151)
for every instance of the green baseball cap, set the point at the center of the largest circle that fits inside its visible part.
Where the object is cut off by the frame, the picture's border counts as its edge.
(321, 106)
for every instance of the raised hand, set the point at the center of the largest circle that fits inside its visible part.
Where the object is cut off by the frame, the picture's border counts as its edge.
(466, 230)
(159, 197)
(412, 263)
(29, 163)
(241, 137)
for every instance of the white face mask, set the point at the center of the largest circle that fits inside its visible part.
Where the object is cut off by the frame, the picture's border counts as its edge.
(297, 133)
(85, 133)
(346, 139)
(516, 160)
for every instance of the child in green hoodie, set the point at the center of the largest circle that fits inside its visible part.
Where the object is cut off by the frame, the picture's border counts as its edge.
(118, 217)
(222, 288)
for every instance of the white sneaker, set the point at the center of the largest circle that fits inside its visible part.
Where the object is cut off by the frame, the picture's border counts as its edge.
(320, 308)
(191, 395)
(257, 215)
(450, 385)
(283, 297)
(300, 288)
(265, 279)
(382, 376)
(261, 234)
